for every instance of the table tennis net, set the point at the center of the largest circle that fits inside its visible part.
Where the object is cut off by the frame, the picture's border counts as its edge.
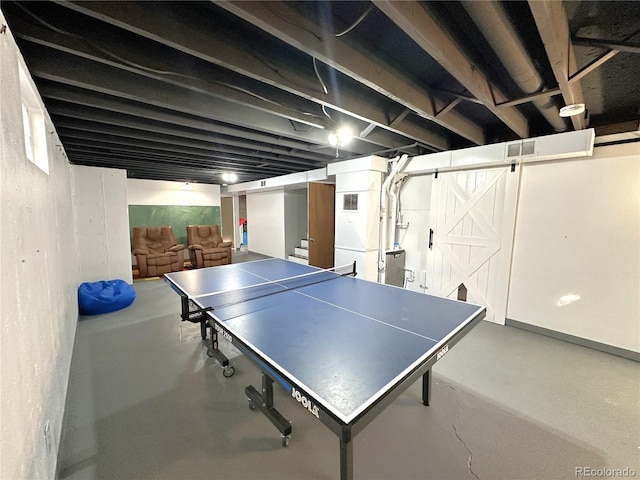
(244, 294)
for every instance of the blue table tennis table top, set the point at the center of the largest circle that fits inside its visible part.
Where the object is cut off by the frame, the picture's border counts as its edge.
(346, 341)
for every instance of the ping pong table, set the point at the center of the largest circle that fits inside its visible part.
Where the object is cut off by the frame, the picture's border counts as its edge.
(344, 348)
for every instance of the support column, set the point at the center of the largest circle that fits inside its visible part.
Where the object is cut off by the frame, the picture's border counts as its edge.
(358, 215)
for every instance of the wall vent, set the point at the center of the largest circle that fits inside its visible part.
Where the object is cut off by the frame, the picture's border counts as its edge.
(520, 149)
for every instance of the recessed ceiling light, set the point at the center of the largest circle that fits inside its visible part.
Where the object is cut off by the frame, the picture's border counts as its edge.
(572, 110)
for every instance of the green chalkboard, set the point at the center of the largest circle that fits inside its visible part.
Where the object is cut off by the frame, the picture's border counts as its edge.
(175, 215)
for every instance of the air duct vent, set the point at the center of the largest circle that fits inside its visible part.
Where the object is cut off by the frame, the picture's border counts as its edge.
(513, 150)
(520, 149)
(528, 147)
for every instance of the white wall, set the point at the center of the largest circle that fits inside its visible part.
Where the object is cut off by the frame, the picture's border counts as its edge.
(38, 286)
(576, 261)
(415, 206)
(157, 192)
(265, 223)
(102, 223)
(577, 233)
(267, 230)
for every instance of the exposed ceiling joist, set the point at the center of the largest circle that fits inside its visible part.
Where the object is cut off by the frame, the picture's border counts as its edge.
(422, 27)
(114, 52)
(157, 22)
(71, 70)
(187, 90)
(631, 47)
(164, 144)
(551, 20)
(281, 20)
(140, 114)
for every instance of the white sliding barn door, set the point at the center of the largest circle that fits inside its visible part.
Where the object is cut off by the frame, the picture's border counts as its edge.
(471, 236)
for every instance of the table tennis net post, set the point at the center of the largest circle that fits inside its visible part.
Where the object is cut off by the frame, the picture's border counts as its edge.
(243, 294)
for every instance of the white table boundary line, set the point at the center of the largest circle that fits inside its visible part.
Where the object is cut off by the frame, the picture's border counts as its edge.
(367, 317)
(413, 365)
(269, 282)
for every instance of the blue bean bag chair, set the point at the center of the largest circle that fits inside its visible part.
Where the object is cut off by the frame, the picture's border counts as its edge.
(104, 296)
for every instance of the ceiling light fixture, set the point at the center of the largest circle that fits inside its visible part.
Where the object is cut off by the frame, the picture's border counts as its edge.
(572, 110)
(340, 138)
(229, 177)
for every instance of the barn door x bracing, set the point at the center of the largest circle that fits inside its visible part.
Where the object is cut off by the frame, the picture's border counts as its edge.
(471, 236)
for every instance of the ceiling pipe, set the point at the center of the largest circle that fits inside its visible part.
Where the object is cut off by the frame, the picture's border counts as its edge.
(492, 21)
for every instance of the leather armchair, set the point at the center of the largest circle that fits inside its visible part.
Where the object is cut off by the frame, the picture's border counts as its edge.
(156, 251)
(206, 248)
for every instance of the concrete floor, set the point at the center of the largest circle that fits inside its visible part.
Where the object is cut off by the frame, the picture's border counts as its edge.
(145, 401)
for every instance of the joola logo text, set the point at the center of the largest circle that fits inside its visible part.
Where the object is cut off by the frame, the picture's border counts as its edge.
(441, 353)
(305, 402)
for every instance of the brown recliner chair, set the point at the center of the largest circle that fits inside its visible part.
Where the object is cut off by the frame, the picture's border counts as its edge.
(206, 248)
(156, 251)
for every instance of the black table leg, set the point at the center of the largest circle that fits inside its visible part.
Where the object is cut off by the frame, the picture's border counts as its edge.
(346, 455)
(426, 388)
(191, 313)
(264, 402)
(212, 350)
(203, 329)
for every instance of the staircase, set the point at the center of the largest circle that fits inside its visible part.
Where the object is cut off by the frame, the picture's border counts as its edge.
(301, 253)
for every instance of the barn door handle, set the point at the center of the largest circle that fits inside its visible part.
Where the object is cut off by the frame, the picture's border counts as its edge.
(430, 238)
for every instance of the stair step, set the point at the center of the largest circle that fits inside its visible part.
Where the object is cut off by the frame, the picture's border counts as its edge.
(304, 243)
(301, 252)
(297, 259)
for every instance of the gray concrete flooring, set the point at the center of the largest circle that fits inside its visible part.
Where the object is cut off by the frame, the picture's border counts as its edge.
(145, 401)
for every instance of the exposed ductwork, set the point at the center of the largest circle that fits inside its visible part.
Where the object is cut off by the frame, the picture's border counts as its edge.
(492, 21)
(398, 164)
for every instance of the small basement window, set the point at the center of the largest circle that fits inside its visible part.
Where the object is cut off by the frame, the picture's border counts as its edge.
(350, 201)
(33, 123)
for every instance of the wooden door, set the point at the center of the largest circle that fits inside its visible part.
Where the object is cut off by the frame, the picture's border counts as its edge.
(471, 237)
(321, 224)
(226, 214)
